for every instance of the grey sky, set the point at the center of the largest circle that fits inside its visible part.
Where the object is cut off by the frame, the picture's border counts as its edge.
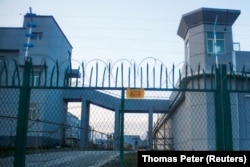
(131, 29)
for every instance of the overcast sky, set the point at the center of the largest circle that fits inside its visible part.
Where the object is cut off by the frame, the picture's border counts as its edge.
(131, 29)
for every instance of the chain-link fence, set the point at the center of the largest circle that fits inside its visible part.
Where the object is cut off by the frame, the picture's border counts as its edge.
(76, 127)
(54, 130)
(60, 125)
(240, 111)
(189, 125)
(207, 119)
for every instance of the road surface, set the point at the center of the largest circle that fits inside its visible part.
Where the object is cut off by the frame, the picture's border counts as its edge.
(64, 159)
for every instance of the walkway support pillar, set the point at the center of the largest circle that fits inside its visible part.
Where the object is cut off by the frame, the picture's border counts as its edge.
(150, 128)
(85, 129)
(122, 128)
(117, 128)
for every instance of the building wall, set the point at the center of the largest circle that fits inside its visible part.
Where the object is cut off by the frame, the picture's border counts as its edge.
(240, 109)
(52, 113)
(242, 59)
(12, 38)
(11, 43)
(193, 124)
(195, 38)
(51, 47)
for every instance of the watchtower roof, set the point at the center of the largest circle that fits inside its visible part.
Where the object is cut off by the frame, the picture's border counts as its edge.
(206, 16)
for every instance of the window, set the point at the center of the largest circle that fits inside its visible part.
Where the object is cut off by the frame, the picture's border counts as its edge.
(33, 112)
(220, 43)
(34, 80)
(36, 35)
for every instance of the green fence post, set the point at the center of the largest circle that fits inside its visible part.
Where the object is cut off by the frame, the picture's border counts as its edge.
(226, 111)
(223, 125)
(22, 119)
(122, 129)
(218, 111)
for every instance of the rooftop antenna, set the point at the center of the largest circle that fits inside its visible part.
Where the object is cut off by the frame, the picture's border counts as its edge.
(215, 43)
(29, 35)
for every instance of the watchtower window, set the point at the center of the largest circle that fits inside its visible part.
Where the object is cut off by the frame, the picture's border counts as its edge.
(219, 43)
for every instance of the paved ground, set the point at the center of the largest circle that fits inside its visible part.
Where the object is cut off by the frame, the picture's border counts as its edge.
(64, 159)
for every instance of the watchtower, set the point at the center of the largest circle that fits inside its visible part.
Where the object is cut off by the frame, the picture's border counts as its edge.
(207, 34)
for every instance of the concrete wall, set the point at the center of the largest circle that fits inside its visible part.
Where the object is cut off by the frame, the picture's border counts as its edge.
(242, 59)
(240, 108)
(193, 123)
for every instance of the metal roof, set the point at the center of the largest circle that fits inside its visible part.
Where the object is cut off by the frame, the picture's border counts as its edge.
(206, 16)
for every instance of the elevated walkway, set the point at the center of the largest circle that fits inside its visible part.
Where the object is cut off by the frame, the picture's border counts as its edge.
(113, 103)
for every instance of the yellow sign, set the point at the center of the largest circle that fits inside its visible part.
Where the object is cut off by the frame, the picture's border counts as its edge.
(135, 93)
